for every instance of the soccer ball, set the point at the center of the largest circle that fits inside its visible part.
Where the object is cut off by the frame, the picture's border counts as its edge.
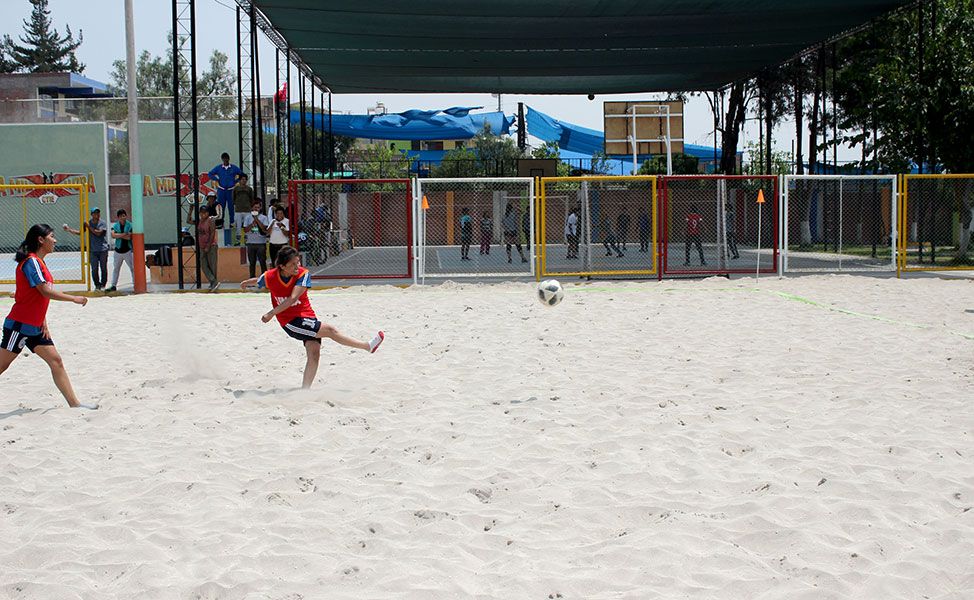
(550, 292)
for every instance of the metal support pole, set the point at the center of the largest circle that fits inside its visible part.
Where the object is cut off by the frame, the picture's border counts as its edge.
(314, 145)
(522, 128)
(278, 124)
(135, 175)
(259, 129)
(177, 190)
(304, 129)
(331, 138)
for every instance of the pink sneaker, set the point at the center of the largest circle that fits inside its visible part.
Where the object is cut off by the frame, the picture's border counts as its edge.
(374, 342)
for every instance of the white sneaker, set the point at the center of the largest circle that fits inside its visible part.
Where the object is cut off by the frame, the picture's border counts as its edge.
(374, 342)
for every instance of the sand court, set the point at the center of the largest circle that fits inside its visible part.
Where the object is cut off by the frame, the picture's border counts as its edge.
(796, 438)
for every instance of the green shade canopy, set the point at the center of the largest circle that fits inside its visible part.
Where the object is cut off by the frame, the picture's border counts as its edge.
(554, 46)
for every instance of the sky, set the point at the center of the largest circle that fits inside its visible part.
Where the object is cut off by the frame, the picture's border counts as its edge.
(103, 25)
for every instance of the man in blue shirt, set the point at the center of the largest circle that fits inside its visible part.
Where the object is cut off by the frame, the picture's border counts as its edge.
(226, 175)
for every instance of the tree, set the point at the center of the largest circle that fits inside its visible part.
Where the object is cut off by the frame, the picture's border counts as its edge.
(7, 64)
(42, 49)
(683, 164)
(497, 154)
(379, 162)
(550, 150)
(459, 162)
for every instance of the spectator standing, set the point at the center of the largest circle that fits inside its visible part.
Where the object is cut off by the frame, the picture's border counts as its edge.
(509, 223)
(466, 234)
(645, 228)
(280, 232)
(571, 233)
(122, 234)
(255, 225)
(243, 199)
(609, 238)
(622, 229)
(730, 216)
(208, 247)
(97, 247)
(225, 174)
(693, 235)
(486, 232)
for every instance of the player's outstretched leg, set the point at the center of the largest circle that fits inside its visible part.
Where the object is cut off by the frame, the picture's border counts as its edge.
(331, 333)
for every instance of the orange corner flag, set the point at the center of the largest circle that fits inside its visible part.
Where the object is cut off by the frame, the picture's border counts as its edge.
(426, 204)
(760, 197)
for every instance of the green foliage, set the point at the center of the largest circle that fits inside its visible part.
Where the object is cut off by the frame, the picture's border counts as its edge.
(755, 161)
(42, 49)
(497, 154)
(683, 164)
(459, 162)
(920, 119)
(379, 162)
(600, 163)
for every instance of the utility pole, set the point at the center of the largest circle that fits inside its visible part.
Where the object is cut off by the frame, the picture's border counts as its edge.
(135, 175)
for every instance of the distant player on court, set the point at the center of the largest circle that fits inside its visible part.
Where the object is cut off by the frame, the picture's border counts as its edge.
(288, 283)
(26, 325)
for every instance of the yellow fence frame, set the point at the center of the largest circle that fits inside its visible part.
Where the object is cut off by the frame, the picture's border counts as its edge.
(82, 191)
(542, 229)
(903, 234)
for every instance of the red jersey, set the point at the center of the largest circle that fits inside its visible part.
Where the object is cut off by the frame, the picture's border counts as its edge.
(693, 223)
(30, 306)
(281, 290)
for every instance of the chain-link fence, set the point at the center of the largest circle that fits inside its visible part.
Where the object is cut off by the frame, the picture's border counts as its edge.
(25, 205)
(353, 228)
(599, 225)
(937, 219)
(719, 224)
(476, 227)
(838, 223)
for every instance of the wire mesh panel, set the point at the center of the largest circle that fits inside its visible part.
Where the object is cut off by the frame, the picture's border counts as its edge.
(839, 223)
(715, 224)
(938, 213)
(25, 205)
(353, 228)
(598, 225)
(476, 227)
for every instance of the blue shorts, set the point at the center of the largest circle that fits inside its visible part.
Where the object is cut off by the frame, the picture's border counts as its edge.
(16, 335)
(303, 329)
(225, 198)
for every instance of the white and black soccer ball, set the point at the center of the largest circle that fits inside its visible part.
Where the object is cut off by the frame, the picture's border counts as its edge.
(550, 292)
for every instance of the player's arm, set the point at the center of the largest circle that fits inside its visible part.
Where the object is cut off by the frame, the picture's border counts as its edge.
(69, 230)
(283, 306)
(47, 290)
(249, 283)
(94, 230)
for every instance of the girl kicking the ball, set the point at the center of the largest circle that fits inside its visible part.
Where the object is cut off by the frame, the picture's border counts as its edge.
(288, 283)
(26, 325)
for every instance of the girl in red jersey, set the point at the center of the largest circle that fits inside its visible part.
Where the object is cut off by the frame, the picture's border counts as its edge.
(26, 325)
(288, 283)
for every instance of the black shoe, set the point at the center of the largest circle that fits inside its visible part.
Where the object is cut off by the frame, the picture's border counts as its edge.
(703, 263)
(508, 261)
(112, 289)
(524, 260)
(608, 253)
(620, 255)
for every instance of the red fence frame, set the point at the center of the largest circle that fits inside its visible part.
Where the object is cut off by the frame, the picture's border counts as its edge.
(292, 200)
(664, 225)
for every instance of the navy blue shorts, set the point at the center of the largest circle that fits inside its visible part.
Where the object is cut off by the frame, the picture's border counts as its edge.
(303, 329)
(16, 335)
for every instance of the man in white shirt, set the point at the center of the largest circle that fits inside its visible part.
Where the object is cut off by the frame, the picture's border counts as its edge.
(571, 233)
(280, 232)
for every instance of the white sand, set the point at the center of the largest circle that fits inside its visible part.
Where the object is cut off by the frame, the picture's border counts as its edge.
(674, 440)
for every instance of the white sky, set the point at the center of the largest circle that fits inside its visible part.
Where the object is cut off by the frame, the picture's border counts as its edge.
(103, 24)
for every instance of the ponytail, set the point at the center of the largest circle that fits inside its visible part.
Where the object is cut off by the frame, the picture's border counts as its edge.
(32, 242)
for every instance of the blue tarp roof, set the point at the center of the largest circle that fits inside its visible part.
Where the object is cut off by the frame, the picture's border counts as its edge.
(455, 123)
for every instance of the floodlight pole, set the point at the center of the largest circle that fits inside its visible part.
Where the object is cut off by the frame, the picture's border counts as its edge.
(135, 175)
